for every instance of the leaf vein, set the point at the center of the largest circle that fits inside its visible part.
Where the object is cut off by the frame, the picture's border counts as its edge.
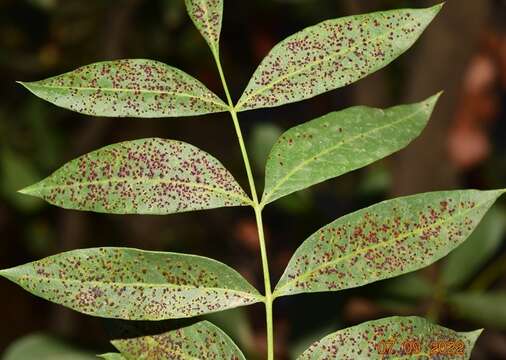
(306, 67)
(309, 160)
(230, 194)
(142, 91)
(401, 237)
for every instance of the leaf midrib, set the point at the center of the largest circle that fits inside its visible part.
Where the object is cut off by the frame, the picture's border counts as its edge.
(402, 237)
(209, 26)
(244, 294)
(305, 67)
(149, 181)
(267, 196)
(126, 90)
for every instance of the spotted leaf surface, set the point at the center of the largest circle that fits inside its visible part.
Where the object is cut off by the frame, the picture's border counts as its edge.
(390, 238)
(333, 54)
(131, 284)
(395, 338)
(121, 88)
(202, 340)
(148, 176)
(207, 16)
(340, 142)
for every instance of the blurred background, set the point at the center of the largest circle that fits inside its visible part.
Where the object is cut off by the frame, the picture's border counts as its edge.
(463, 53)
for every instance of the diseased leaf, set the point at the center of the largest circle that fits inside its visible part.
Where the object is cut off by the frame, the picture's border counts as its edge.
(202, 340)
(390, 238)
(333, 54)
(133, 284)
(394, 337)
(148, 176)
(134, 87)
(207, 16)
(467, 259)
(43, 347)
(486, 309)
(340, 142)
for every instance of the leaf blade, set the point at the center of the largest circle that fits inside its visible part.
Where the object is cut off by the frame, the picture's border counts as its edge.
(207, 15)
(408, 336)
(128, 88)
(304, 65)
(198, 341)
(132, 284)
(148, 176)
(340, 142)
(378, 242)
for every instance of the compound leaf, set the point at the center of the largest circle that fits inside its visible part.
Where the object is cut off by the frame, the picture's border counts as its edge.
(133, 87)
(388, 239)
(396, 337)
(147, 176)
(340, 142)
(333, 54)
(207, 15)
(202, 340)
(132, 284)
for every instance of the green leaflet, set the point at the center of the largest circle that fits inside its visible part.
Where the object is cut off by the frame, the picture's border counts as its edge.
(333, 54)
(207, 16)
(390, 238)
(340, 142)
(202, 340)
(43, 347)
(394, 337)
(134, 87)
(486, 309)
(134, 284)
(466, 260)
(148, 176)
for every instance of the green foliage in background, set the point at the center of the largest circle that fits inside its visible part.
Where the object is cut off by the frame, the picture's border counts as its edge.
(44, 347)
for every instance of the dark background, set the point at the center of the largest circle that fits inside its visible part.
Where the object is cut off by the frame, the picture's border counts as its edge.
(463, 53)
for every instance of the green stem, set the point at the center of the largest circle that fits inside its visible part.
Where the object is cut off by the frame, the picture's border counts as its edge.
(245, 159)
(267, 284)
(258, 214)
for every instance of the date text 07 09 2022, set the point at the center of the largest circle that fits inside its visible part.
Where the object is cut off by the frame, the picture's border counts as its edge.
(414, 346)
